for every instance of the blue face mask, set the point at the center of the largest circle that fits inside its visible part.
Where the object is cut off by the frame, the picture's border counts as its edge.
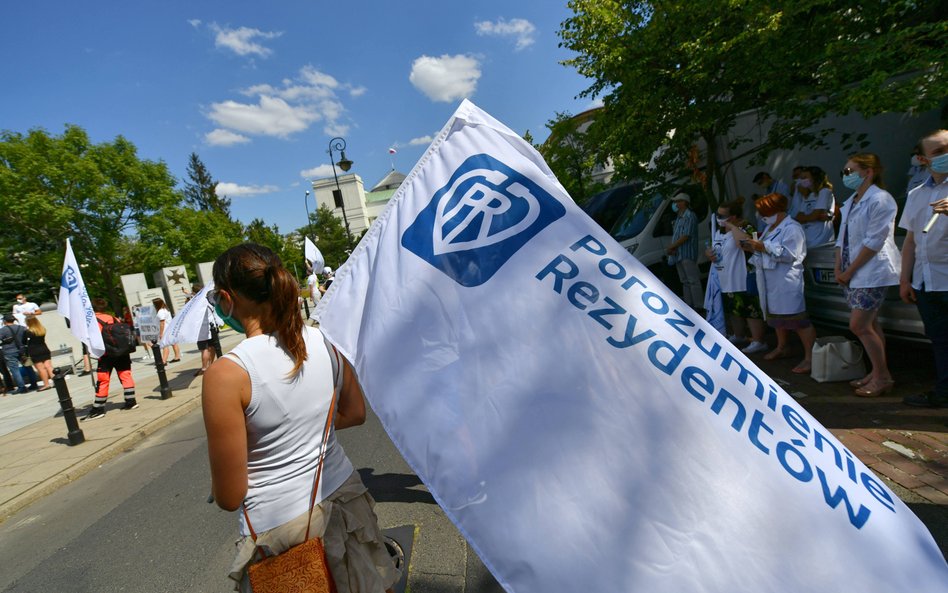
(238, 326)
(939, 164)
(674, 206)
(852, 181)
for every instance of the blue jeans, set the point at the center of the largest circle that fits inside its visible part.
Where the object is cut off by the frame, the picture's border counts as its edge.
(933, 308)
(13, 364)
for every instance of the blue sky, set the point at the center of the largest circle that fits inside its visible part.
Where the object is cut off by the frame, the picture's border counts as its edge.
(258, 90)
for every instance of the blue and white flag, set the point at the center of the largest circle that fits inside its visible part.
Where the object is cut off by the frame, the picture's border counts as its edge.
(76, 306)
(313, 255)
(191, 322)
(583, 428)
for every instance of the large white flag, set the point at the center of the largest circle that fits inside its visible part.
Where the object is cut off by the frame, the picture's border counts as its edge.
(191, 322)
(583, 428)
(313, 255)
(76, 306)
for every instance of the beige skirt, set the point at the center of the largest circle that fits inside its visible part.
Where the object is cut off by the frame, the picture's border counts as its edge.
(355, 551)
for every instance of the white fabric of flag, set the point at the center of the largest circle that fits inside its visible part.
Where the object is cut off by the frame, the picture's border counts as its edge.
(189, 325)
(76, 306)
(313, 255)
(583, 428)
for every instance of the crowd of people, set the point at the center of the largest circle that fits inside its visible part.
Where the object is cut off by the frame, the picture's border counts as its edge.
(758, 259)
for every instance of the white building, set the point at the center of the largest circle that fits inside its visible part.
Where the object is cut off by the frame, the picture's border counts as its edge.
(361, 207)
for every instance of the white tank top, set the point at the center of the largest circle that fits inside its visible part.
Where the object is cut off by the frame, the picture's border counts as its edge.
(285, 422)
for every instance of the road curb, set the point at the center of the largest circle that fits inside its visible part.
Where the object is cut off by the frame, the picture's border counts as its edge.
(87, 464)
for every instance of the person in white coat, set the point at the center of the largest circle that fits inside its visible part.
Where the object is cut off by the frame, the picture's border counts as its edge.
(817, 205)
(778, 257)
(868, 262)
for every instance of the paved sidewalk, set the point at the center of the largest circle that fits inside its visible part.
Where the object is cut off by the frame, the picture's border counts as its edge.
(35, 455)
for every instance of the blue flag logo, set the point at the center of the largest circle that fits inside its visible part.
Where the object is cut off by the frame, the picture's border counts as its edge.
(484, 214)
(69, 280)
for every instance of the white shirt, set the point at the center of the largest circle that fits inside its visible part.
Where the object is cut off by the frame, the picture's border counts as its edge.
(285, 422)
(818, 232)
(931, 248)
(313, 282)
(780, 268)
(20, 311)
(731, 262)
(871, 223)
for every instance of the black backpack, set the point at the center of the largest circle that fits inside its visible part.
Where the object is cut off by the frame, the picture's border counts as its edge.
(118, 337)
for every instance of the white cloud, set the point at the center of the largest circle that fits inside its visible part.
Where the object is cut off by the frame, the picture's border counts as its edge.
(272, 116)
(220, 137)
(318, 172)
(232, 190)
(522, 29)
(357, 91)
(194, 23)
(420, 141)
(289, 107)
(446, 78)
(242, 40)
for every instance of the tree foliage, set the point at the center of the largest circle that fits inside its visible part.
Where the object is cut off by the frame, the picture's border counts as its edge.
(200, 189)
(53, 187)
(329, 234)
(571, 155)
(676, 74)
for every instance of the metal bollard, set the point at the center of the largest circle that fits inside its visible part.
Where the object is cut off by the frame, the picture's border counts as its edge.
(216, 340)
(306, 307)
(160, 367)
(69, 413)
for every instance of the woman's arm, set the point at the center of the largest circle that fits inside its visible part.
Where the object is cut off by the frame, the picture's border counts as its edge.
(225, 394)
(161, 328)
(350, 410)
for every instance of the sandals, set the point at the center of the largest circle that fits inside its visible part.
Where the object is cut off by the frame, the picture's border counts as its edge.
(857, 383)
(804, 368)
(875, 388)
(776, 354)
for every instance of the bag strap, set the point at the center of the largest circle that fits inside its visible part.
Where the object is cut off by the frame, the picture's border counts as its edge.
(319, 471)
(16, 339)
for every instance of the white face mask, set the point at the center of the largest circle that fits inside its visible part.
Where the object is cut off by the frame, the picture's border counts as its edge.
(769, 219)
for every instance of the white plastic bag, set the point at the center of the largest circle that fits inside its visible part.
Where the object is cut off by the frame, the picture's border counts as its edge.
(837, 359)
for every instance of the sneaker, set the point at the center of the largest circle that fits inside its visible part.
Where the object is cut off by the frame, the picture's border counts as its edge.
(925, 400)
(130, 404)
(754, 348)
(20, 392)
(95, 412)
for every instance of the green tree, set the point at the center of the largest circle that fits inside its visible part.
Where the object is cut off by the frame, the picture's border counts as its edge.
(329, 234)
(200, 191)
(675, 74)
(53, 187)
(571, 156)
(182, 235)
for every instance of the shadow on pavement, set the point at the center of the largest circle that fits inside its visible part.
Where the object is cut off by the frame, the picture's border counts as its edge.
(394, 487)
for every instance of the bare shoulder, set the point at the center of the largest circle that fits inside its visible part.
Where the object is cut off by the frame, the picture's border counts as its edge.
(225, 379)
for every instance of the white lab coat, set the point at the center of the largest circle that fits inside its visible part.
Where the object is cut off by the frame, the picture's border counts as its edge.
(818, 232)
(780, 268)
(731, 264)
(871, 223)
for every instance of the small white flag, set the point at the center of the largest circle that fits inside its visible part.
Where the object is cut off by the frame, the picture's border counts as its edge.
(186, 326)
(313, 255)
(582, 426)
(76, 306)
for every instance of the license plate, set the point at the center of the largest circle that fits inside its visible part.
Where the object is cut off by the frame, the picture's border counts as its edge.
(824, 276)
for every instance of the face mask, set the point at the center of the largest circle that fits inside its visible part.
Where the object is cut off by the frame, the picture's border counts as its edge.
(238, 326)
(939, 164)
(721, 221)
(805, 183)
(915, 161)
(769, 219)
(852, 181)
(674, 206)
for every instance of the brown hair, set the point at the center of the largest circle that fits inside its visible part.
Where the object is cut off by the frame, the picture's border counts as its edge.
(734, 207)
(159, 304)
(36, 328)
(771, 204)
(100, 305)
(256, 273)
(870, 160)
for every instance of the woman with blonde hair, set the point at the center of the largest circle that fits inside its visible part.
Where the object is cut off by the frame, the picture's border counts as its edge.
(39, 352)
(868, 262)
(267, 404)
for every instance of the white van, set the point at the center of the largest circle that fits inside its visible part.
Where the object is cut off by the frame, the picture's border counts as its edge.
(645, 227)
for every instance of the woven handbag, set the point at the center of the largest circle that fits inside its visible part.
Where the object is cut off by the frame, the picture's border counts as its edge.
(302, 568)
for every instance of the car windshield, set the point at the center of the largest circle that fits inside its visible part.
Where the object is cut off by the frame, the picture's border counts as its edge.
(636, 216)
(605, 207)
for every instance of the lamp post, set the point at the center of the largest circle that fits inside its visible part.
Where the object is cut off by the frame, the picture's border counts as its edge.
(344, 164)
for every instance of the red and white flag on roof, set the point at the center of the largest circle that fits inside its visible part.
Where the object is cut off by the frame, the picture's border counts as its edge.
(392, 150)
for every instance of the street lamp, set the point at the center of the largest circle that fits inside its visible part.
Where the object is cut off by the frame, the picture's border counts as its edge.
(344, 164)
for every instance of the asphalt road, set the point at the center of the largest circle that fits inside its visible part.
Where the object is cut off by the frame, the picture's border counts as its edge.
(141, 524)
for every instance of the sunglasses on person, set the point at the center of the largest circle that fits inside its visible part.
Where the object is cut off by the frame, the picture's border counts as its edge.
(212, 296)
(847, 171)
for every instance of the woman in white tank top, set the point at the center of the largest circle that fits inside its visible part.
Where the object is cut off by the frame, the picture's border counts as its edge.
(265, 407)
